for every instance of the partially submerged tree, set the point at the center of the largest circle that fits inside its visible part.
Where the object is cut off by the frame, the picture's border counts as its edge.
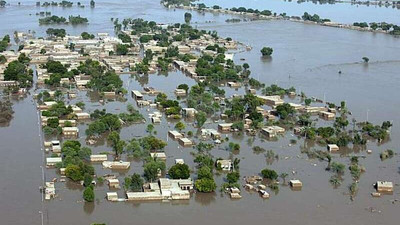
(267, 51)
(179, 171)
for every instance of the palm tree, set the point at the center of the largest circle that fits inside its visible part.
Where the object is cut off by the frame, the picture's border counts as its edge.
(338, 168)
(335, 181)
(283, 176)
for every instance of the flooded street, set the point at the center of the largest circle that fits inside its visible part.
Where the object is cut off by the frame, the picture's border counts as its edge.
(307, 57)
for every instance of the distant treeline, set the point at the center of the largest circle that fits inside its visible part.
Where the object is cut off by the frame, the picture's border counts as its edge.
(392, 28)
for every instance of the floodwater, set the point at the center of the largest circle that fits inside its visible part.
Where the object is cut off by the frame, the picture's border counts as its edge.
(307, 57)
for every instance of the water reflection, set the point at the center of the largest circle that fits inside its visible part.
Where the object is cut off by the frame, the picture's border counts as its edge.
(205, 199)
(88, 207)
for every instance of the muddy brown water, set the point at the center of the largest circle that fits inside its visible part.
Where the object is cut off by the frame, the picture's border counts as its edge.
(305, 56)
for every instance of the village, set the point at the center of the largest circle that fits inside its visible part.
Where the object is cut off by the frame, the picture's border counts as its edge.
(114, 111)
(77, 55)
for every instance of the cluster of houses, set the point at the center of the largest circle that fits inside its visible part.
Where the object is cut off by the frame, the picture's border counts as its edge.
(102, 49)
(183, 141)
(163, 189)
(69, 126)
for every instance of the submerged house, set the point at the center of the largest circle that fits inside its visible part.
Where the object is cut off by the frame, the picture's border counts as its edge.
(180, 92)
(273, 100)
(137, 95)
(158, 155)
(185, 142)
(225, 127)
(272, 131)
(112, 196)
(214, 134)
(327, 115)
(98, 158)
(189, 112)
(118, 165)
(296, 183)
(174, 134)
(384, 186)
(113, 183)
(52, 161)
(70, 131)
(225, 164)
(50, 191)
(165, 189)
(332, 147)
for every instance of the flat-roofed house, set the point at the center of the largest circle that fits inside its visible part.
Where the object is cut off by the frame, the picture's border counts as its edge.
(272, 131)
(117, 165)
(82, 116)
(137, 95)
(174, 134)
(189, 112)
(225, 127)
(384, 186)
(185, 142)
(52, 161)
(273, 100)
(214, 134)
(113, 183)
(143, 196)
(296, 183)
(180, 92)
(64, 122)
(158, 155)
(98, 158)
(179, 161)
(55, 146)
(225, 164)
(70, 131)
(332, 147)
(327, 115)
(112, 196)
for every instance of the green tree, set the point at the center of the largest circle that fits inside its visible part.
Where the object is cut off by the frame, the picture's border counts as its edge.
(269, 174)
(179, 171)
(86, 36)
(267, 51)
(74, 172)
(2, 59)
(150, 128)
(205, 185)
(134, 182)
(152, 169)
(307, 101)
(184, 87)
(335, 181)
(204, 172)
(88, 194)
(201, 118)
(232, 177)
(338, 168)
(116, 143)
(285, 110)
(180, 126)
(87, 180)
(121, 49)
(188, 17)
(283, 176)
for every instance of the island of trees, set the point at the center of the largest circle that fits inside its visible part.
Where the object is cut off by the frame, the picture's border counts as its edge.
(74, 20)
